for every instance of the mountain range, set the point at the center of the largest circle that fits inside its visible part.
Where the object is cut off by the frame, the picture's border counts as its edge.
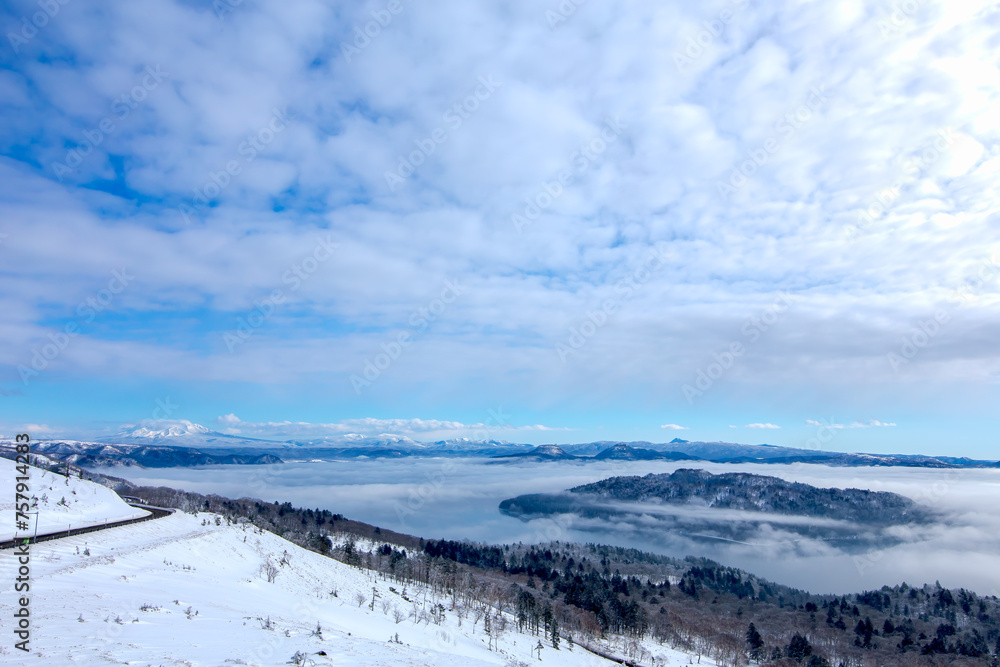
(726, 452)
(95, 454)
(180, 443)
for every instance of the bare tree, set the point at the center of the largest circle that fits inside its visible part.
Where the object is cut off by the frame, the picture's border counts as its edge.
(360, 598)
(477, 614)
(269, 570)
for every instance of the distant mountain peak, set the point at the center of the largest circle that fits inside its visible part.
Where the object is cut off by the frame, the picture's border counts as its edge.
(549, 450)
(172, 428)
(539, 453)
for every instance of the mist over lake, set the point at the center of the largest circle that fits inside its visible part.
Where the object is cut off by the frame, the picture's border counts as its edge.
(458, 499)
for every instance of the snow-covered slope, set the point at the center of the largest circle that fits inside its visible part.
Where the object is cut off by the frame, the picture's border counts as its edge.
(184, 591)
(60, 503)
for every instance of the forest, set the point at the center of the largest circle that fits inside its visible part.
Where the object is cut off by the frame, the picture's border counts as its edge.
(575, 592)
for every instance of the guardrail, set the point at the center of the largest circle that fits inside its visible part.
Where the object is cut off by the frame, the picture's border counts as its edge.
(155, 513)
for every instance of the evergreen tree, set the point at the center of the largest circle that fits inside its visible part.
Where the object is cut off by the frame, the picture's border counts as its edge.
(864, 630)
(799, 648)
(755, 643)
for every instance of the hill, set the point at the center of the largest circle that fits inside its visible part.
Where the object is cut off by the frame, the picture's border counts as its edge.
(759, 493)
(213, 589)
(754, 510)
(59, 503)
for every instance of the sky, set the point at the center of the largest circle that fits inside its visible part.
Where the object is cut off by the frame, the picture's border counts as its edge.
(558, 222)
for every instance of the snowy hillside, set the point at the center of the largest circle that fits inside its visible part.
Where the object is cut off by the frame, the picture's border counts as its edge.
(186, 590)
(61, 503)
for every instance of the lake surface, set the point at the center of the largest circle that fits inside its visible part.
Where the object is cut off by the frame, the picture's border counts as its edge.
(458, 498)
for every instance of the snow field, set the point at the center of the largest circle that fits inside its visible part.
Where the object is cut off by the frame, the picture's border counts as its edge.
(61, 503)
(183, 590)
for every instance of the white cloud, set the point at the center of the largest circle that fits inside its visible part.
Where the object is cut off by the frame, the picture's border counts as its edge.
(33, 429)
(674, 427)
(759, 425)
(419, 429)
(856, 424)
(324, 174)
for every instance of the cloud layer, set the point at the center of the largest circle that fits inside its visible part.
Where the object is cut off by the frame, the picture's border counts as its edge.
(458, 499)
(472, 207)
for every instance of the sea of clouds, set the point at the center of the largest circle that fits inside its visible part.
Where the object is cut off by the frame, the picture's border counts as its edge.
(458, 499)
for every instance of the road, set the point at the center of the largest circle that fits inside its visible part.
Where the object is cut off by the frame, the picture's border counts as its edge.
(155, 513)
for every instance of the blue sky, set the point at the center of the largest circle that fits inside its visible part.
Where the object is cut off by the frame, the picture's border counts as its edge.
(722, 221)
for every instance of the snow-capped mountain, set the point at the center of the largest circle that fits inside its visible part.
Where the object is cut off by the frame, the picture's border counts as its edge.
(180, 428)
(96, 454)
(181, 433)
